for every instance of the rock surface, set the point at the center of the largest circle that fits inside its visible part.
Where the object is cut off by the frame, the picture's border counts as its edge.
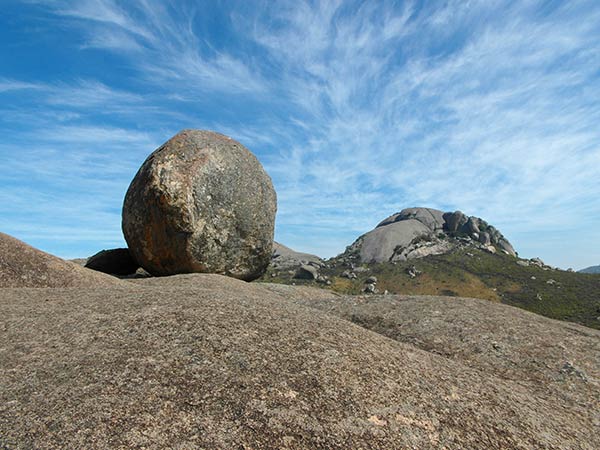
(419, 232)
(116, 261)
(205, 361)
(380, 244)
(549, 357)
(431, 218)
(201, 203)
(24, 266)
(454, 221)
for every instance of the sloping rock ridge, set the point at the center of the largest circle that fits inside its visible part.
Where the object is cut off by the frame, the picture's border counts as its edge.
(22, 266)
(418, 232)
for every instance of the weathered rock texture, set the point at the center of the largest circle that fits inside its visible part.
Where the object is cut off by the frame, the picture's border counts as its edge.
(24, 266)
(418, 232)
(116, 261)
(204, 361)
(201, 203)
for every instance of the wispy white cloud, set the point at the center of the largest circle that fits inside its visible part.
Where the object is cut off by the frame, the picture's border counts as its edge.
(91, 94)
(165, 49)
(7, 85)
(360, 109)
(498, 122)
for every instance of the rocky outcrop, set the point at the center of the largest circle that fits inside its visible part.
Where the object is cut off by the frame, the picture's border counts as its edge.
(285, 258)
(24, 266)
(116, 261)
(205, 361)
(201, 203)
(306, 272)
(419, 232)
(453, 222)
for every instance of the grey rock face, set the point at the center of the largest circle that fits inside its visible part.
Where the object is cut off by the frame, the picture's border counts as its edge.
(485, 238)
(472, 225)
(454, 221)
(117, 261)
(505, 245)
(380, 244)
(201, 203)
(431, 246)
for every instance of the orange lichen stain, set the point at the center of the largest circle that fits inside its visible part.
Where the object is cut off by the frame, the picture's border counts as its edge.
(423, 424)
(377, 421)
(419, 423)
(291, 394)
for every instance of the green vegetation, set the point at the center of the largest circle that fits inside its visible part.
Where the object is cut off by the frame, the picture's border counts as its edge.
(471, 272)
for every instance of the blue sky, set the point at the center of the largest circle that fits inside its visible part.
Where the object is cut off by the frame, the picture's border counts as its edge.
(356, 110)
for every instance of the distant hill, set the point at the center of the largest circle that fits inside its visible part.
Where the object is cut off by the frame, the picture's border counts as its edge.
(591, 269)
(417, 232)
(421, 251)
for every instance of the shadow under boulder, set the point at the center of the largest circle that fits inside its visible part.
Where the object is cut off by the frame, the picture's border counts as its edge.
(117, 261)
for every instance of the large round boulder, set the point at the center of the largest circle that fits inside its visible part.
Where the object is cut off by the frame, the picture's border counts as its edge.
(201, 203)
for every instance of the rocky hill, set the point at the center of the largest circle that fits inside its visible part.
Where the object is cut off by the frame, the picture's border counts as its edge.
(418, 232)
(427, 252)
(591, 269)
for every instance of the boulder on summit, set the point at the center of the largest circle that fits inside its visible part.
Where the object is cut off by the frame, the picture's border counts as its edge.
(201, 203)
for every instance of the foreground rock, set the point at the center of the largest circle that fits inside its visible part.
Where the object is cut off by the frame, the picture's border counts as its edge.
(204, 361)
(201, 203)
(24, 266)
(419, 232)
(117, 261)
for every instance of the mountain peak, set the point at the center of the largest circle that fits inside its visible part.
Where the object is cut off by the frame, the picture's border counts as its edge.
(417, 232)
